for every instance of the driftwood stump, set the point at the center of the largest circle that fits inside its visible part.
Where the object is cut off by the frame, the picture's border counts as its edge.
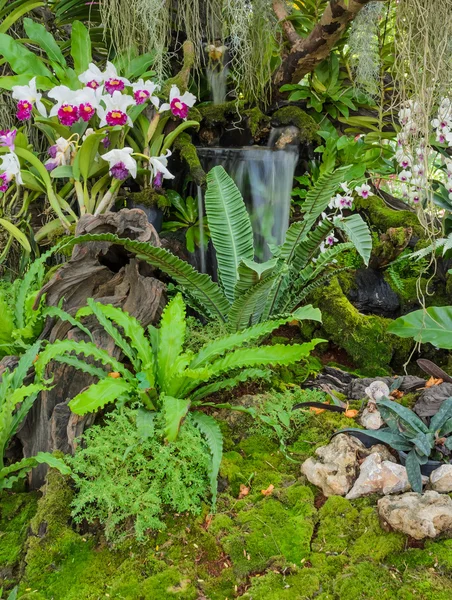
(110, 275)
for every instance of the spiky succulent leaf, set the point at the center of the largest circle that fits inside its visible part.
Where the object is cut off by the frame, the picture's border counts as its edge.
(199, 285)
(439, 420)
(99, 394)
(229, 226)
(357, 231)
(212, 432)
(413, 470)
(395, 440)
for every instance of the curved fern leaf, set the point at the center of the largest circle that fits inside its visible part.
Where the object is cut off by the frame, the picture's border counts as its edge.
(171, 341)
(99, 394)
(56, 311)
(81, 365)
(210, 351)
(212, 432)
(174, 411)
(199, 285)
(226, 384)
(229, 226)
(279, 354)
(248, 307)
(61, 347)
(357, 231)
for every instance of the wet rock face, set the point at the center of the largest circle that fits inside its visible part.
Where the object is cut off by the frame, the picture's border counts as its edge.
(416, 515)
(373, 295)
(337, 465)
(441, 479)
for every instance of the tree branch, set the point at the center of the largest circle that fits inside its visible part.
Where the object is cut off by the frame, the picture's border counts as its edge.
(280, 10)
(306, 54)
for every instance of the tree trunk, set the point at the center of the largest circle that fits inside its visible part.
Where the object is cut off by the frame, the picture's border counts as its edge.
(306, 53)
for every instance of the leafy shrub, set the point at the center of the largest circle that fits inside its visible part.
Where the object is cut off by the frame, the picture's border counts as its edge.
(127, 481)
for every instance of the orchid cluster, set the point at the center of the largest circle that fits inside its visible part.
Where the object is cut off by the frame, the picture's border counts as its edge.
(103, 105)
(338, 203)
(413, 158)
(9, 163)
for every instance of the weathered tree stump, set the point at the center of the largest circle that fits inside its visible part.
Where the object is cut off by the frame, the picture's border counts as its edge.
(112, 276)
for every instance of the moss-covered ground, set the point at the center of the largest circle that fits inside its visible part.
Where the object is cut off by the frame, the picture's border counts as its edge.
(288, 543)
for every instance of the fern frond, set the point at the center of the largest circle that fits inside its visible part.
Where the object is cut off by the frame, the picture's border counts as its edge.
(214, 349)
(248, 306)
(56, 311)
(99, 394)
(171, 341)
(212, 433)
(199, 285)
(61, 347)
(357, 231)
(300, 291)
(226, 384)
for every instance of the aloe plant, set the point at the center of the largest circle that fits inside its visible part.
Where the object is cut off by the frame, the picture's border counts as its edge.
(250, 292)
(163, 377)
(407, 433)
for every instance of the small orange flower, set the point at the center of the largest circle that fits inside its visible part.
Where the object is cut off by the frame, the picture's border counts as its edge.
(114, 375)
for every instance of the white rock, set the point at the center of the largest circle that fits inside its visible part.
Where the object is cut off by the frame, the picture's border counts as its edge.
(337, 464)
(377, 390)
(371, 418)
(379, 476)
(420, 516)
(441, 479)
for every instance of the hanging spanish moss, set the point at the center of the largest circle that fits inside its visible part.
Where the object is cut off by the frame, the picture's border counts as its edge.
(364, 46)
(246, 27)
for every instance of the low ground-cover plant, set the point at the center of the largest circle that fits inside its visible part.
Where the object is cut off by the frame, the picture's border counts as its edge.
(406, 432)
(127, 477)
(166, 380)
(16, 399)
(250, 292)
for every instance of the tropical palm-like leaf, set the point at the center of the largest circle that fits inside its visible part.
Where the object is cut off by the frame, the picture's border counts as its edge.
(229, 226)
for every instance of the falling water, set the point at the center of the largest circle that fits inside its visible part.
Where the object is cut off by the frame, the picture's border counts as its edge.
(217, 78)
(264, 176)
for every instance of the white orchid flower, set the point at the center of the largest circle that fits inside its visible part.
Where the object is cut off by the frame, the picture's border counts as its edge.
(10, 166)
(63, 95)
(29, 93)
(179, 103)
(115, 109)
(158, 164)
(363, 190)
(121, 163)
(92, 77)
(143, 90)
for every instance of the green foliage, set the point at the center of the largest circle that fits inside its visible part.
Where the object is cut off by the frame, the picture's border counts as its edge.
(251, 292)
(185, 215)
(127, 483)
(16, 399)
(406, 432)
(432, 325)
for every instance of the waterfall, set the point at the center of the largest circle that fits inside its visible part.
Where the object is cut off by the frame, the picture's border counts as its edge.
(217, 79)
(264, 176)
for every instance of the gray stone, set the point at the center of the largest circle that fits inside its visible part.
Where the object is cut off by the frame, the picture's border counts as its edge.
(336, 466)
(371, 417)
(441, 479)
(430, 399)
(416, 515)
(379, 476)
(357, 388)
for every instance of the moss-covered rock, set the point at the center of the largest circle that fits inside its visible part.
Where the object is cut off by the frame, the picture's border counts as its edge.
(294, 115)
(363, 337)
(187, 151)
(381, 217)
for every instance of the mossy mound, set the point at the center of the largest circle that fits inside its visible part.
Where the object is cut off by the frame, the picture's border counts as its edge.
(381, 217)
(363, 337)
(286, 544)
(294, 115)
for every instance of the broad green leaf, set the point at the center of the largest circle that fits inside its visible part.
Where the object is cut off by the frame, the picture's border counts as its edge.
(17, 234)
(84, 160)
(439, 420)
(63, 172)
(80, 47)
(20, 59)
(229, 225)
(145, 423)
(432, 325)
(16, 14)
(174, 411)
(171, 341)
(99, 394)
(39, 34)
(413, 469)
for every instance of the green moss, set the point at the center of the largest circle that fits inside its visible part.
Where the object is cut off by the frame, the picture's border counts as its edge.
(150, 197)
(382, 217)
(363, 337)
(294, 115)
(16, 510)
(257, 120)
(188, 153)
(272, 528)
(275, 586)
(217, 114)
